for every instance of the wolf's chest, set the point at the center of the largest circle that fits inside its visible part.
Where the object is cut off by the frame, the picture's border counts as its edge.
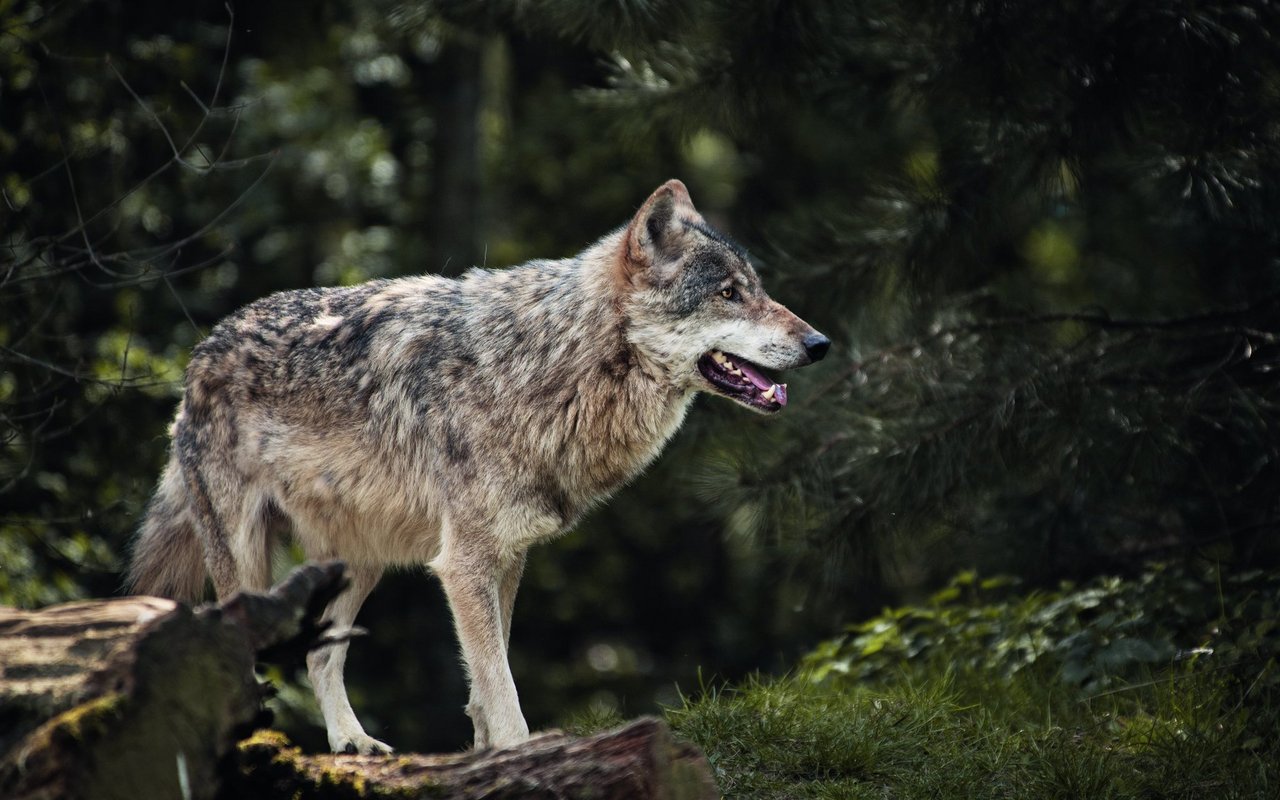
(615, 447)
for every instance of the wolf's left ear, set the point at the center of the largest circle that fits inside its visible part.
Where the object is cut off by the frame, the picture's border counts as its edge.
(656, 236)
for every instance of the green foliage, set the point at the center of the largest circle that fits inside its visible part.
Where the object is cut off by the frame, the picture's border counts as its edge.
(1089, 638)
(41, 568)
(983, 692)
(1044, 236)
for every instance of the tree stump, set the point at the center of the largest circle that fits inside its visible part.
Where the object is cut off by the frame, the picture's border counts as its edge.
(141, 697)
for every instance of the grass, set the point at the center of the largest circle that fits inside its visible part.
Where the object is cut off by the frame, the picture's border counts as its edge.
(794, 738)
(1165, 686)
(1156, 688)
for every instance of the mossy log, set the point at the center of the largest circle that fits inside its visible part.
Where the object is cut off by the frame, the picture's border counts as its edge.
(138, 696)
(638, 761)
(141, 697)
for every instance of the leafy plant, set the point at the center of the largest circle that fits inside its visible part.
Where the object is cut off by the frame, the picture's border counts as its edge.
(1090, 637)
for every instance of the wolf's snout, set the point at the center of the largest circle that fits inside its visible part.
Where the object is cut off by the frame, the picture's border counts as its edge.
(816, 346)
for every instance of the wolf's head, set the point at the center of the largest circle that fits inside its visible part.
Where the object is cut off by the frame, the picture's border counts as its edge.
(695, 305)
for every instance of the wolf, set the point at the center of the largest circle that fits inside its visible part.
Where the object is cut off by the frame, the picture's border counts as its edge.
(454, 423)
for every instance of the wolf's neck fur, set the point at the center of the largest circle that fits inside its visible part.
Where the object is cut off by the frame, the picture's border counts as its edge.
(590, 406)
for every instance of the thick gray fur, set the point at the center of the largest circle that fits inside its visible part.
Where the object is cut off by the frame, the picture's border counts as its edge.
(448, 423)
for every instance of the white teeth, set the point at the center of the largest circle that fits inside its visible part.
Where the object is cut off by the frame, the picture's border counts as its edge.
(725, 363)
(769, 394)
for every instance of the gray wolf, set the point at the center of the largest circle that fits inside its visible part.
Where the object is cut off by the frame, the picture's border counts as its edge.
(453, 423)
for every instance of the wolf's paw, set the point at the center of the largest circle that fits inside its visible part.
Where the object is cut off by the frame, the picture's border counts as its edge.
(363, 745)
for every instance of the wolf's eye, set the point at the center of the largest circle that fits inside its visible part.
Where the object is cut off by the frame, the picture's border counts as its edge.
(729, 293)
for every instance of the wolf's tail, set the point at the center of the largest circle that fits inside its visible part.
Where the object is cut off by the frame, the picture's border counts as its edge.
(167, 557)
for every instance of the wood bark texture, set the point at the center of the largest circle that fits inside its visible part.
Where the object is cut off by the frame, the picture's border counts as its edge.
(140, 697)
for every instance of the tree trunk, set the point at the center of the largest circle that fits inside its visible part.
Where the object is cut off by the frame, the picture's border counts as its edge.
(141, 697)
(456, 186)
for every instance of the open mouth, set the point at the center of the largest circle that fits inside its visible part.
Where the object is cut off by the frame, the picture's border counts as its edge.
(739, 379)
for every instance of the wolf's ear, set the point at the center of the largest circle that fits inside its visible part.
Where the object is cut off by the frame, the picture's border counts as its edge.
(656, 236)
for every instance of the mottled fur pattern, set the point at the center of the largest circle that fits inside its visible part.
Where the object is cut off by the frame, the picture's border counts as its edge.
(451, 423)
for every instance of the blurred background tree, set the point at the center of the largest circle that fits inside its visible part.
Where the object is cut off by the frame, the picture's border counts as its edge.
(1042, 234)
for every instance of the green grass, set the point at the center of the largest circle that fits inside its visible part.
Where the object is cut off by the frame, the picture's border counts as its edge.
(794, 738)
(1162, 686)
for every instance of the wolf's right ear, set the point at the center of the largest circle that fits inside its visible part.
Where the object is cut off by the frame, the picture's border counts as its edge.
(656, 236)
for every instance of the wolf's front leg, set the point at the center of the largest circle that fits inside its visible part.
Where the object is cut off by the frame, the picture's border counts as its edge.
(508, 584)
(325, 667)
(472, 578)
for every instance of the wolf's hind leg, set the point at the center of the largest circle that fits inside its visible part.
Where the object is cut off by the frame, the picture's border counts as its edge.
(251, 543)
(219, 560)
(325, 666)
(226, 510)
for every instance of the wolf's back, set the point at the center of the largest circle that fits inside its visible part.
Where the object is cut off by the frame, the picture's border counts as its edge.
(168, 560)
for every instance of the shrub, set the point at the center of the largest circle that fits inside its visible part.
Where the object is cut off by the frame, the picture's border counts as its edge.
(1091, 637)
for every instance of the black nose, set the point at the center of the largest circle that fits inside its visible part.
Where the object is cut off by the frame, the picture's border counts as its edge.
(816, 345)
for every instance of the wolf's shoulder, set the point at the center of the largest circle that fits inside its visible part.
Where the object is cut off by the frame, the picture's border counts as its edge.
(522, 285)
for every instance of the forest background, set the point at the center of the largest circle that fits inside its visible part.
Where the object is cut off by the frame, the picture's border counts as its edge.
(1042, 235)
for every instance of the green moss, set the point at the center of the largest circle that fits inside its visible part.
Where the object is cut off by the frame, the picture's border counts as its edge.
(269, 765)
(86, 722)
(267, 739)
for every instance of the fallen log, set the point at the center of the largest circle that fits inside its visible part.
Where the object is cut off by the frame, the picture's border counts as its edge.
(141, 697)
(638, 761)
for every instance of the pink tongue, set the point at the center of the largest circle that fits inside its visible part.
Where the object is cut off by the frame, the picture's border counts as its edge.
(762, 383)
